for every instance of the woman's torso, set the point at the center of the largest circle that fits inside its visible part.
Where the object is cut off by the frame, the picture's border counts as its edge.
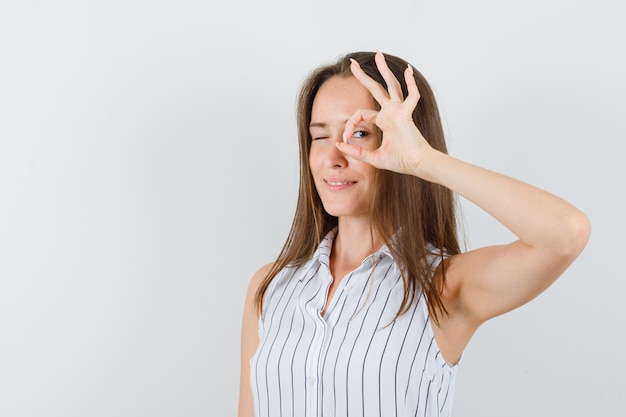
(356, 360)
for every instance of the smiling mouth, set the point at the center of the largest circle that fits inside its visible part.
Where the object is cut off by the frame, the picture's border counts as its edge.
(338, 183)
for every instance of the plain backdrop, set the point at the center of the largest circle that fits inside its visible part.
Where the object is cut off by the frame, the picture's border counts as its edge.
(148, 167)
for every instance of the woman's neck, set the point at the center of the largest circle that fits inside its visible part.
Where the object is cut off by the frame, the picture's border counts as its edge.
(355, 241)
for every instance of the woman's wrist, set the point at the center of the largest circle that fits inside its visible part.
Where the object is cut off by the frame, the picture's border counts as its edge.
(424, 164)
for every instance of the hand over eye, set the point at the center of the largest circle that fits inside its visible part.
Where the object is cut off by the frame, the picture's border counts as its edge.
(403, 145)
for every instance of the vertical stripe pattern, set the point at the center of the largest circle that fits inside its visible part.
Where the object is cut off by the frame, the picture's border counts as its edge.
(356, 360)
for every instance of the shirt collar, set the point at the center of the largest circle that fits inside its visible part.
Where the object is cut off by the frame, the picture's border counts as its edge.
(322, 253)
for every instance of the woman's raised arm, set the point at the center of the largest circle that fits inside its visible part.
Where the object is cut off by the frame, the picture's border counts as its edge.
(486, 282)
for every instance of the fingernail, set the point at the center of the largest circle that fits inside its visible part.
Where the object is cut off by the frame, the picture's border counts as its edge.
(354, 61)
(410, 69)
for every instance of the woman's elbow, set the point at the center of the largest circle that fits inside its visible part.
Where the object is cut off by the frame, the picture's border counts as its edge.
(576, 236)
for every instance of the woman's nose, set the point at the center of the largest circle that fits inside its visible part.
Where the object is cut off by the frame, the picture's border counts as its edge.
(336, 158)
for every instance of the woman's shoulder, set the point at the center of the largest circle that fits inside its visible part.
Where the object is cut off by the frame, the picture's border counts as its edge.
(258, 277)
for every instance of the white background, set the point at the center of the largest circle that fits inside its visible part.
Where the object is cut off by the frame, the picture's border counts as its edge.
(148, 166)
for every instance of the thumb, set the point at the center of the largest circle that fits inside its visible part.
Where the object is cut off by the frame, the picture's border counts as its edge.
(355, 152)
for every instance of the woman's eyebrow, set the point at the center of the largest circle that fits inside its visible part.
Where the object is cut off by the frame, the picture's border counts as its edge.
(322, 124)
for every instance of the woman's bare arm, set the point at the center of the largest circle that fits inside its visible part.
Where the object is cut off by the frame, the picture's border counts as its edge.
(486, 282)
(249, 342)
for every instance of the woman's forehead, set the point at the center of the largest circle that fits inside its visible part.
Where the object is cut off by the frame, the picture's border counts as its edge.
(337, 99)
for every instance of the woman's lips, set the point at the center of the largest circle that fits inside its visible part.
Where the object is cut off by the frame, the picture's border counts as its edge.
(338, 184)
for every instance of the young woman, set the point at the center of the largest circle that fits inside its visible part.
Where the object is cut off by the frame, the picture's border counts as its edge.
(370, 304)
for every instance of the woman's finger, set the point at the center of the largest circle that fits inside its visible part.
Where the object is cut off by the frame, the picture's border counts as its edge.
(393, 85)
(360, 116)
(378, 91)
(358, 152)
(414, 95)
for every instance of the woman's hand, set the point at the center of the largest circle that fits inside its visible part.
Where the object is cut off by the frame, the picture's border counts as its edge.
(403, 147)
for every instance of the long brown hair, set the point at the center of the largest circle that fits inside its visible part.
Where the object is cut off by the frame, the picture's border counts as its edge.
(415, 218)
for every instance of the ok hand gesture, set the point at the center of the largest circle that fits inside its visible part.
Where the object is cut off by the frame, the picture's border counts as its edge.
(403, 147)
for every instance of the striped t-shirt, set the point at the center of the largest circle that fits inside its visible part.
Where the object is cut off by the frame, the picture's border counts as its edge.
(356, 360)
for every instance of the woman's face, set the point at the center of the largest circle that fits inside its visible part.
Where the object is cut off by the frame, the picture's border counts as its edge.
(344, 184)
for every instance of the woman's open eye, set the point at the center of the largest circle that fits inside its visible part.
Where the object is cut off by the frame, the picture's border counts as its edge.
(360, 134)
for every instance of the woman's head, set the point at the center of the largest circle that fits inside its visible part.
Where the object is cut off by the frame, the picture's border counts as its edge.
(343, 184)
(388, 184)
(410, 215)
